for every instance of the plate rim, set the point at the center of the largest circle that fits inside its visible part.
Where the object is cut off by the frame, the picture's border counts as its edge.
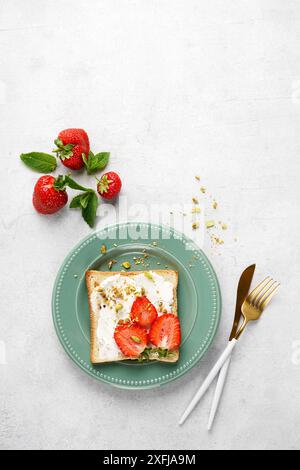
(88, 368)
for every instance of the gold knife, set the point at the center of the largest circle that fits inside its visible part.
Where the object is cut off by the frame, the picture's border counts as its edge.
(242, 292)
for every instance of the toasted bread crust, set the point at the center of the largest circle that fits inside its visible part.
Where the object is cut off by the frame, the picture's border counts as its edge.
(94, 278)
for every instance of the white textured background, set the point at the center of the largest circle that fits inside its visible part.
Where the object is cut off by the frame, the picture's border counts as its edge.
(172, 89)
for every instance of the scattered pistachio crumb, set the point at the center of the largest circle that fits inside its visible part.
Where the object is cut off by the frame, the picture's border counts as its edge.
(195, 200)
(103, 249)
(195, 225)
(148, 276)
(203, 189)
(210, 223)
(136, 339)
(119, 307)
(111, 263)
(154, 243)
(197, 178)
(217, 240)
(224, 226)
(158, 263)
(214, 204)
(76, 276)
(115, 245)
(196, 210)
(126, 265)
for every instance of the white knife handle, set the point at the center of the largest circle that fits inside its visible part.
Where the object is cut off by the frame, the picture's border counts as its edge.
(218, 392)
(208, 380)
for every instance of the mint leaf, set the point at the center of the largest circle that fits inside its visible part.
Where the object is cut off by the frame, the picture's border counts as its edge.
(39, 161)
(88, 203)
(95, 162)
(75, 203)
(85, 199)
(89, 212)
(73, 185)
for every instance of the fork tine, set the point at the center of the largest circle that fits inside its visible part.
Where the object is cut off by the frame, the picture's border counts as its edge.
(265, 302)
(264, 293)
(258, 289)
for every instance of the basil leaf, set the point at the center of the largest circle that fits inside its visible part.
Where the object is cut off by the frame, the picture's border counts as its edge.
(89, 212)
(39, 161)
(96, 162)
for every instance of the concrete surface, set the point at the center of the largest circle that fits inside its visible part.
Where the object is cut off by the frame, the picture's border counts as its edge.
(171, 89)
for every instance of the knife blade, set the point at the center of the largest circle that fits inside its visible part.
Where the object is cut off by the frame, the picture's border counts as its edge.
(242, 292)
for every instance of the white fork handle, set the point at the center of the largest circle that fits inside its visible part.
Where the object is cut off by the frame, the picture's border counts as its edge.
(218, 392)
(223, 358)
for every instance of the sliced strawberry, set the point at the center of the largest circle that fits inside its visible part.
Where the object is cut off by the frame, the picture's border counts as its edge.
(165, 332)
(131, 339)
(143, 312)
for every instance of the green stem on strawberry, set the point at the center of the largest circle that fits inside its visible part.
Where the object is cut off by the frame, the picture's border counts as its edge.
(63, 151)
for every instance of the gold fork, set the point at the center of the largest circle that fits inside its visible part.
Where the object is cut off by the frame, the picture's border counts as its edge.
(257, 301)
(252, 309)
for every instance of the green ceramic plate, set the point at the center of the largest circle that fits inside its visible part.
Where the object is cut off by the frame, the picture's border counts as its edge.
(198, 298)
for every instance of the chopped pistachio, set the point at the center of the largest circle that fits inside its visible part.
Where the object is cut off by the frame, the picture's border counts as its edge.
(126, 265)
(197, 178)
(143, 292)
(196, 210)
(195, 225)
(136, 339)
(224, 226)
(217, 240)
(214, 204)
(210, 223)
(76, 276)
(154, 243)
(195, 200)
(203, 189)
(119, 307)
(148, 276)
(111, 263)
(103, 249)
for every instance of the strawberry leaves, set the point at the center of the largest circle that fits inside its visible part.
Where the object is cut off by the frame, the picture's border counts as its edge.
(63, 151)
(95, 162)
(39, 161)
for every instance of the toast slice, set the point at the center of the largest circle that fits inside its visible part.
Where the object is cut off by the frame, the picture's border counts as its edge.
(104, 318)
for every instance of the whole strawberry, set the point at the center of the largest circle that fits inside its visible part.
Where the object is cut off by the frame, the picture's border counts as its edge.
(49, 194)
(71, 145)
(109, 185)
